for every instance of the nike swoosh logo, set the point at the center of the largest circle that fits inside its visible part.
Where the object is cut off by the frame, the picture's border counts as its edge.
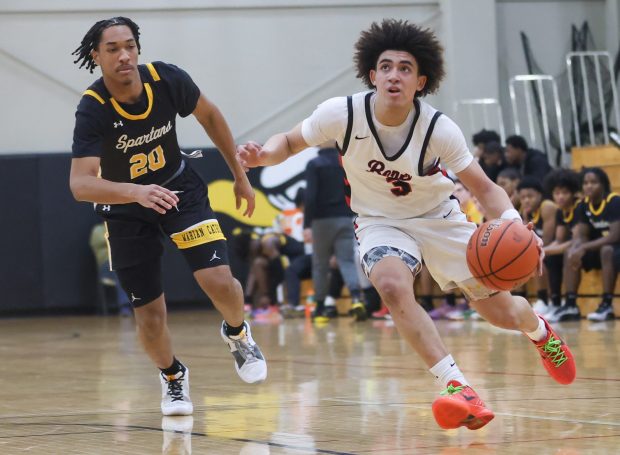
(469, 398)
(452, 364)
(448, 214)
(359, 138)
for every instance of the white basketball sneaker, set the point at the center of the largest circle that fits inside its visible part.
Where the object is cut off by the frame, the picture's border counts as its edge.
(175, 399)
(249, 361)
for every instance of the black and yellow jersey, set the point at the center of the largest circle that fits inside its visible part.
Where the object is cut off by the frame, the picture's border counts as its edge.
(599, 218)
(536, 219)
(567, 218)
(137, 142)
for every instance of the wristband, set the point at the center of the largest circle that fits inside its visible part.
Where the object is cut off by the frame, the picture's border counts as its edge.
(511, 214)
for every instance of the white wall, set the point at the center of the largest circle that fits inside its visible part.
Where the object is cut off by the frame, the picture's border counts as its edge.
(266, 64)
(547, 23)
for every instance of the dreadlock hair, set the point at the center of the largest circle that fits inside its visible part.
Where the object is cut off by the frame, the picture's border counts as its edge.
(90, 42)
(561, 178)
(601, 175)
(399, 35)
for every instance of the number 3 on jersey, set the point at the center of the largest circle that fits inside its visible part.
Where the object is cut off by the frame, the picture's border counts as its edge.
(141, 163)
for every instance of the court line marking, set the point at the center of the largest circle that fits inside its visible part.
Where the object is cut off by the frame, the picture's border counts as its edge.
(114, 428)
(506, 414)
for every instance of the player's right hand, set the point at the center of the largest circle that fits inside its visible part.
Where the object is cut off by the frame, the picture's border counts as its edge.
(248, 155)
(155, 197)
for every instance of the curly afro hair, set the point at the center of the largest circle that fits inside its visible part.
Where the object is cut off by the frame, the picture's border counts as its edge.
(399, 35)
(562, 178)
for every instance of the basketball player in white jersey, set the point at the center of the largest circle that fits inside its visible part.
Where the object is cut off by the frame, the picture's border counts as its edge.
(394, 148)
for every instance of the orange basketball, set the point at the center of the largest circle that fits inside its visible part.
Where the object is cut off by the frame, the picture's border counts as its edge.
(502, 254)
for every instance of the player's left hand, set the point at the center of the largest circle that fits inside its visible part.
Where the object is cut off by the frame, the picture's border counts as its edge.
(248, 155)
(539, 244)
(243, 190)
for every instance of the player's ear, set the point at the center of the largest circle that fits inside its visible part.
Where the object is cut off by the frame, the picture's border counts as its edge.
(421, 82)
(373, 75)
(95, 55)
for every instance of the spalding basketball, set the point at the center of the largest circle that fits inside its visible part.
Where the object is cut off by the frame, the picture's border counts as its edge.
(502, 254)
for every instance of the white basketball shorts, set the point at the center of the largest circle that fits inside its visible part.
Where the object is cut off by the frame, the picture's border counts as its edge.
(439, 237)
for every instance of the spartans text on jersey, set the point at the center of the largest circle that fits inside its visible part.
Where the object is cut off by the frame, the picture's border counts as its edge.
(125, 143)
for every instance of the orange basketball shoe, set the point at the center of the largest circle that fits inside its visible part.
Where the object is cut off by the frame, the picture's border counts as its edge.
(556, 357)
(459, 406)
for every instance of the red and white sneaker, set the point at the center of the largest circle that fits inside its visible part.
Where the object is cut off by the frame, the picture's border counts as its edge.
(556, 356)
(458, 405)
(383, 313)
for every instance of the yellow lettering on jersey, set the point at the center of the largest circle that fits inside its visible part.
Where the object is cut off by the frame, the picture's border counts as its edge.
(203, 232)
(155, 161)
(127, 115)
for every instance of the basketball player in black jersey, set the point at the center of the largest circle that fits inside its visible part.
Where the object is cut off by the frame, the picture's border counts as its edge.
(596, 243)
(126, 159)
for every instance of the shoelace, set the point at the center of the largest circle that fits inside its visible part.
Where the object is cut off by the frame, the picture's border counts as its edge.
(553, 351)
(451, 390)
(175, 389)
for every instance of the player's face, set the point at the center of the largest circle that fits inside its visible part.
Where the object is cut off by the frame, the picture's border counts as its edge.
(397, 78)
(117, 54)
(592, 186)
(530, 199)
(508, 185)
(563, 198)
(513, 155)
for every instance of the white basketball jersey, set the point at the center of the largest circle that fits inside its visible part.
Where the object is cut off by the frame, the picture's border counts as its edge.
(405, 185)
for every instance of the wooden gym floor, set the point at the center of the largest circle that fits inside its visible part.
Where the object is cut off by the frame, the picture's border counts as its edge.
(82, 385)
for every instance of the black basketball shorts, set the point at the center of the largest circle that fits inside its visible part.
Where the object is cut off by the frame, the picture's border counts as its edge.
(592, 259)
(135, 236)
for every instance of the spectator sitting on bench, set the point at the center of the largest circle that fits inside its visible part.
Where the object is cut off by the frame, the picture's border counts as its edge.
(563, 186)
(596, 243)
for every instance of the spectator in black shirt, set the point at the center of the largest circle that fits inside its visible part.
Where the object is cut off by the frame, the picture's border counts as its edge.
(481, 138)
(328, 220)
(492, 160)
(529, 161)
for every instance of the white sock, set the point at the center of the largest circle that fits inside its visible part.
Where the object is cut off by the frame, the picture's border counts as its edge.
(446, 370)
(540, 333)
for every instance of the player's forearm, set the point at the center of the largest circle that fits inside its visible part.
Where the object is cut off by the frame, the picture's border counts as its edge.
(216, 127)
(88, 188)
(595, 245)
(276, 150)
(495, 201)
(556, 248)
